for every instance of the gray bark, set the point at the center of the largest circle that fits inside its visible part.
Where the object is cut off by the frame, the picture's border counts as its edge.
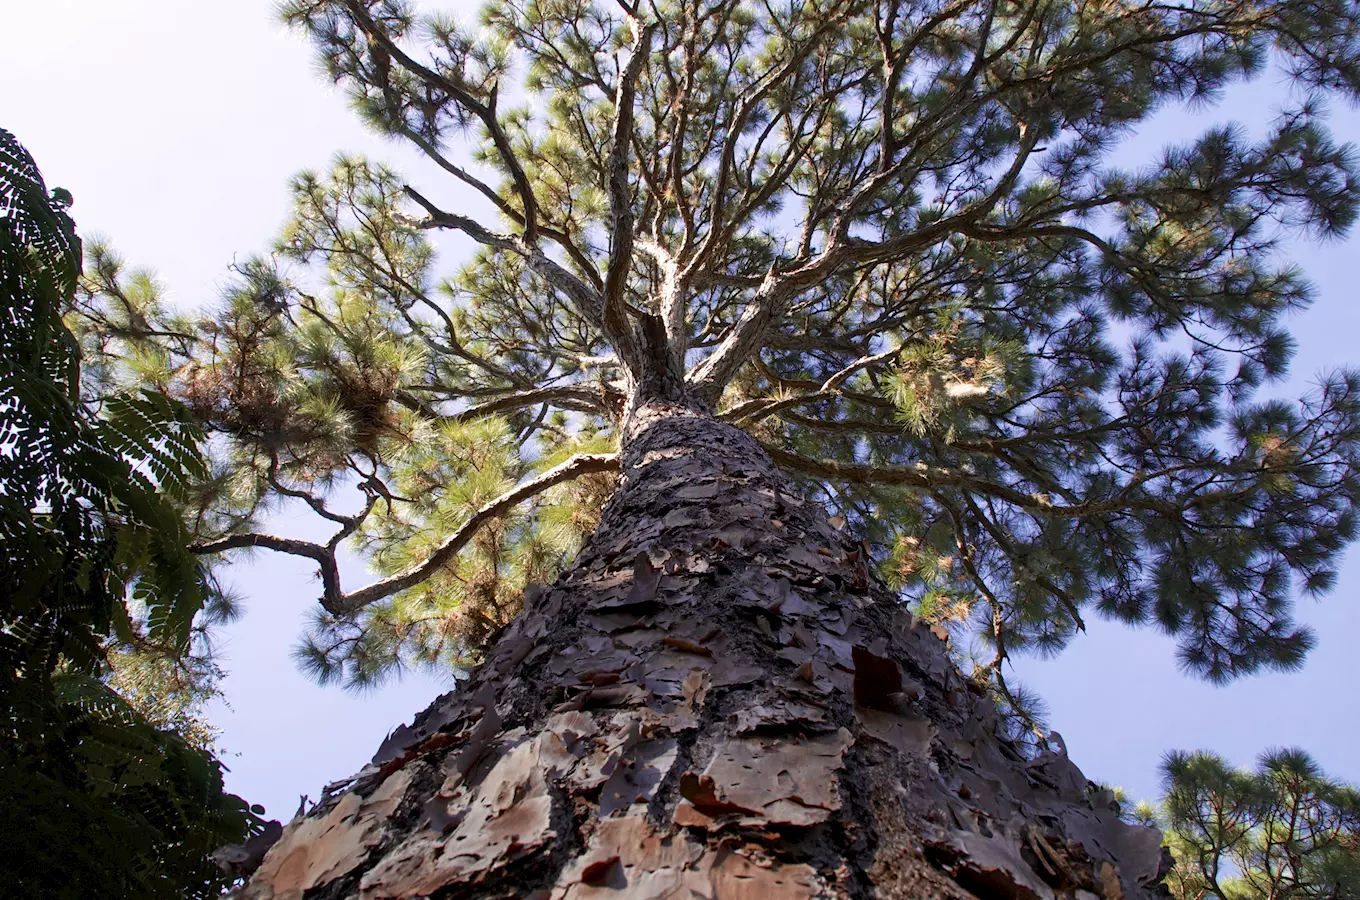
(719, 699)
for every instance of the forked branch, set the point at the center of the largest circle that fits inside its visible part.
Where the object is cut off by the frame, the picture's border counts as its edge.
(485, 112)
(339, 603)
(614, 313)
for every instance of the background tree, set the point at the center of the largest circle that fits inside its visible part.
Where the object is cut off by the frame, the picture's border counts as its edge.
(880, 245)
(97, 591)
(1285, 830)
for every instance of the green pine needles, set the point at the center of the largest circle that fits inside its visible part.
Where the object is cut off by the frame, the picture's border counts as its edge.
(1283, 831)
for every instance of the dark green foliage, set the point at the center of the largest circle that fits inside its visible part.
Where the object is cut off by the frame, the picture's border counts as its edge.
(83, 491)
(98, 802)
(102, 804)
(1284, 831)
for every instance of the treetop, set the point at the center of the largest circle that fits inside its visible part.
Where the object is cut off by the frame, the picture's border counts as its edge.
(887, 238)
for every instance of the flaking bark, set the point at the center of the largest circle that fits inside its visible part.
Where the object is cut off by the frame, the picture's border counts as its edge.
(719, 699)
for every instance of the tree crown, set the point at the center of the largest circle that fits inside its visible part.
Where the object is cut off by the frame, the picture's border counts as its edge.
(885, 237)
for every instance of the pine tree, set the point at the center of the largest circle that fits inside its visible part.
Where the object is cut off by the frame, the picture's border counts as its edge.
(1285, 831)
(795, 286)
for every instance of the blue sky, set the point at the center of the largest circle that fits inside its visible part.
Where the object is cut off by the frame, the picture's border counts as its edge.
(176, 126)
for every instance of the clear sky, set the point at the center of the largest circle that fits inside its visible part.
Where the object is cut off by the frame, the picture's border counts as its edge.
(176, 126)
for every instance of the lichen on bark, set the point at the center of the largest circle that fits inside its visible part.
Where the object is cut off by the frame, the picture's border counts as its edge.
(718, 699)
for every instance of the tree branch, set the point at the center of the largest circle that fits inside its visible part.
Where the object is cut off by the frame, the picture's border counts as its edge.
(587, 301)
(615, 317)
(575, 397)
(582, 464)
(338, 603)
(324, 557)
(561, 238)
(486, 112)
(711, 376)
(755, 410)
(928, 478)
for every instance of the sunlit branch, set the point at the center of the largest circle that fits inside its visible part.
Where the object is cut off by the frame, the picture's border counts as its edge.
(561, 238)
(582, 464)
(753, 411)
(588, 302)
(485, 112)
(566, 396)
(614, 317)
(336, 602)
(323, 556)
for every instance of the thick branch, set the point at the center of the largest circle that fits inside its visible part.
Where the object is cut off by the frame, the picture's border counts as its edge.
(842, 249)
(866, 252)
(323, 556)
(575, 467)
(755, 410)
(569, 396)
(485, 112)
(615, 315)
(743, 339)
(341, 604)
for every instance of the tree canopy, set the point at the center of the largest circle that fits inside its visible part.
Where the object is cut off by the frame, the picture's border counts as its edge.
(887, 238)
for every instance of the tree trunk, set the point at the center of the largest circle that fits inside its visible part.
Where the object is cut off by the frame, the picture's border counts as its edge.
(719, 699)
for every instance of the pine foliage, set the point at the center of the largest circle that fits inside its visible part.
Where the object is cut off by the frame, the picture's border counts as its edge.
(351, 385)
(1283, 831)
(886, 237)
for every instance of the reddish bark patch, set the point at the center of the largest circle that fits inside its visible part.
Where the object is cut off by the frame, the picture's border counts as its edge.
(877, 678)
(627, 857)
(315, 852)
(787, 780)
(508, 816)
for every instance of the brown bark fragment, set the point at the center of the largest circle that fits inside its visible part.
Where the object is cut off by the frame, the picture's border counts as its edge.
(906, 734)
(618, 734)
(395, 744)
(647, 864)
(728, 674)
(314, 852)
(687, 646)
(508, 816)
(483, 733)
(635, 778)
(786, 780)
(734, 877)
(994, 865)
(778, 715)
(1109, 883)
(627, 858)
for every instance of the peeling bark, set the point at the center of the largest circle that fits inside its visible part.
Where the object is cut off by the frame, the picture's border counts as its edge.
(718, 700)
